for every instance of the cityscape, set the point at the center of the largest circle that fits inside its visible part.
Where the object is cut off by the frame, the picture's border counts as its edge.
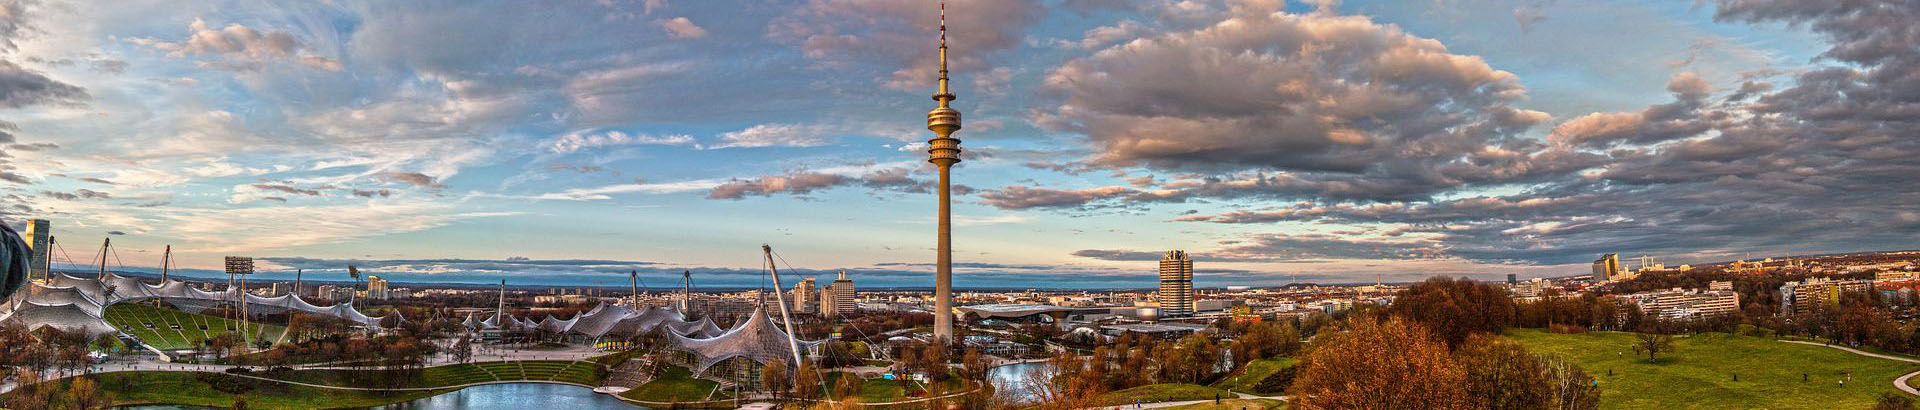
(1189, 205)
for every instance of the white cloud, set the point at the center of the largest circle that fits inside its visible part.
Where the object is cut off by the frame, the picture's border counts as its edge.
(585, 139)
(680, 27)
(778, 135)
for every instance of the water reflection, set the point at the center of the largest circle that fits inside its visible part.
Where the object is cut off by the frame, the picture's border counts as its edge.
(1012, 379)
(516, 396)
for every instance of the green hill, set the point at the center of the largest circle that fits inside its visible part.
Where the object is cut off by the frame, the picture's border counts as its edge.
(171, 329)
(1699, 373)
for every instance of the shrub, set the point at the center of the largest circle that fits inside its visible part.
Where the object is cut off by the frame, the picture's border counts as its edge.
(1277, 382)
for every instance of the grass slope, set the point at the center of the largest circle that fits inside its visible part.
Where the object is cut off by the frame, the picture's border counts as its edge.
(1235, 404)
(1154, 393)
(674, 384)
(185, 389)
(585, 373)
(133, 318)
(1699, 373)
(1251, 375)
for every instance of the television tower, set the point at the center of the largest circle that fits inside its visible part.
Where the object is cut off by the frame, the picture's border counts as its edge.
(943, 151)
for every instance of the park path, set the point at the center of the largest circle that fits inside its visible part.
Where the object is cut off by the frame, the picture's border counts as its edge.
(1899, 383)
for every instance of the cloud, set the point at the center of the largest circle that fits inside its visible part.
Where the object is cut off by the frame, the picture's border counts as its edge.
(1290, 248)
(896, 35)
(1020, 197)
(20, 87)
(1328, 101)
(78, 194)
(413, 178)
(778, 135)
(797, 183)
(239, 47)
(680, 27)
(1680, 119)
(97, 181)
(806, 182)
(588, 139)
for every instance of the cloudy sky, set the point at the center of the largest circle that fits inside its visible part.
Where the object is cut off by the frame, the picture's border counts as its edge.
(569, 141)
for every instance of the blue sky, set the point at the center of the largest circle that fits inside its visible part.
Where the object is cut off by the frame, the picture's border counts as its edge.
(1320, 141)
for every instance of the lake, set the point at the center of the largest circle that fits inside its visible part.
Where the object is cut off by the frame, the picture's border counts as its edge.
(516, 396)
(1013, 379)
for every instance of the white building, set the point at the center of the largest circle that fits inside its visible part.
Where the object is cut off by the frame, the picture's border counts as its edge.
(1682, 304)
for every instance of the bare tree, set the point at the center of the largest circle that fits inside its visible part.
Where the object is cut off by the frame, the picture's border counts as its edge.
(1652, 344)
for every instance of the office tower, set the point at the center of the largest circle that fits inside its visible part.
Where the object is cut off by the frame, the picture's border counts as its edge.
(1513, 279)
(1607, 266)
(803, 296)
(1176, 284)
(39, 238)
(376, 288)
(843, 294)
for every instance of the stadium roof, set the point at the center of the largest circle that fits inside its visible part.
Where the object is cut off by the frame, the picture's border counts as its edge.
(1012, 310)
(757, 339)
(78, 304)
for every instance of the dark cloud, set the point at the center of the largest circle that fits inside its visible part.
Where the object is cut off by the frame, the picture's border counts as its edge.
(287, 189)
(116, 233)
(20, 87)
(372, 193)
(806, 182)
(35, 146)
(798, 183)
(1326, 105)
(96, 180)
(894, 34)
(1288, 248)
(76, 195)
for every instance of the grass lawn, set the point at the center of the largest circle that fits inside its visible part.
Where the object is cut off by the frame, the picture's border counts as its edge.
(674, 384)
(878, 390)
(1154, 393)
(134, 318)
(1698, 374)
(1235, 404)
(584, 373)
(1253, 373)
(185, 389)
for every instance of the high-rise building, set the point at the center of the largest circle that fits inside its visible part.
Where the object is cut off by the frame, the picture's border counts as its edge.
(39, 238)
(1606, 267)
(1513, 279)
(803, 296)
(838, 298)
(1176, 285)
(376, 288)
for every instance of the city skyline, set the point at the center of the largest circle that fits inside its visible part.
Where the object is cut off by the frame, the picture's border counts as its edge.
(1488, 139)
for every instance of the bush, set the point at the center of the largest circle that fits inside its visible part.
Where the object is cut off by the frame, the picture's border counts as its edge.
(1278, 381)
(224, 383)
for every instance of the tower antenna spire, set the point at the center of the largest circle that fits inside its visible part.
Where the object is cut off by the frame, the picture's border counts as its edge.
(943, 151)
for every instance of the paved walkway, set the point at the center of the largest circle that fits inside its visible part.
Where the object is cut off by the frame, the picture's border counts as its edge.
(1899, 383)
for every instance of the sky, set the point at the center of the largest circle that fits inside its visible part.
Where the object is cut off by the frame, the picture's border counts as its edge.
(570, 142)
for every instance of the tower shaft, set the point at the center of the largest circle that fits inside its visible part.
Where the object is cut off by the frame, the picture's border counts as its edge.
(943, 151)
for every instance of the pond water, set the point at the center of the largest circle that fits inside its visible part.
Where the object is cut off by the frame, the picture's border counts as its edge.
(1013, 380)
(516, 396)
(513, 396)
